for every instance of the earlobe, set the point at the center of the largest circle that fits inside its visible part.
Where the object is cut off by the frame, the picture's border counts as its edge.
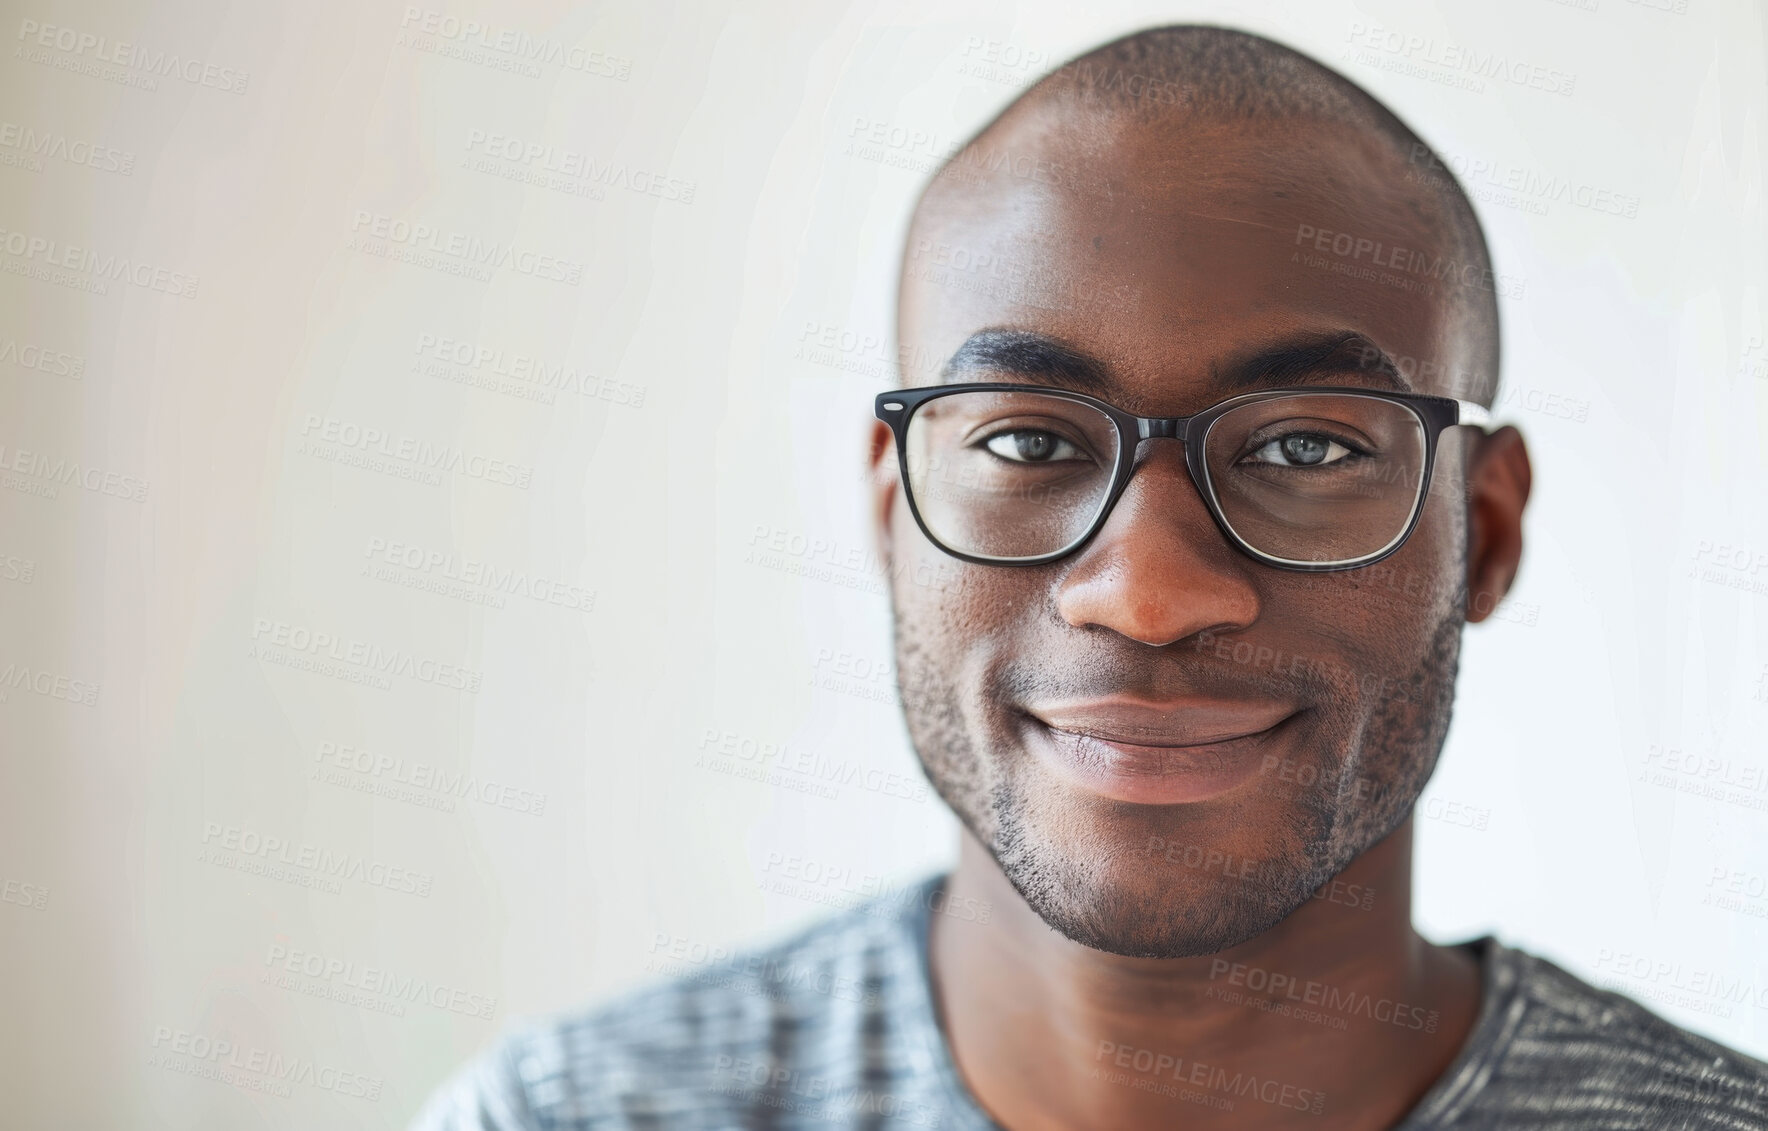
(1498, 482)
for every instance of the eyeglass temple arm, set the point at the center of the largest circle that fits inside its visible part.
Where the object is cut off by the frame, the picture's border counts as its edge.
(1470, 413)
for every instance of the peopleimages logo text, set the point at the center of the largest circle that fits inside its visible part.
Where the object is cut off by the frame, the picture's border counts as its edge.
(436, 457)
(320, 861)
(97, 266)
(371, 657)
(467, 248)
(1407, 261)
(131, 56)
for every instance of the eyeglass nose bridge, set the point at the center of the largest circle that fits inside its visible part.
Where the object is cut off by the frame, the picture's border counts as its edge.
(1137, 453)
(1156, 427)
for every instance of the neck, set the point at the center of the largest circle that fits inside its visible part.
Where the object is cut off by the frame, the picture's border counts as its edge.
(1337, 1017)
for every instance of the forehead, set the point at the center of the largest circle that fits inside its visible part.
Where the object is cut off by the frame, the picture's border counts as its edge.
(1167, 251)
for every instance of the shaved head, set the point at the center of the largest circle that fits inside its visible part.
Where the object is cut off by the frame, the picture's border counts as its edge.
(1194, 82)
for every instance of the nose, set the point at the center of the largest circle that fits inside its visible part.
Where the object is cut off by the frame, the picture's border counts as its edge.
(1160, 570)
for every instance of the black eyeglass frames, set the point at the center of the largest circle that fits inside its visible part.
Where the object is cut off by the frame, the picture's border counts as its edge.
(1314, 478)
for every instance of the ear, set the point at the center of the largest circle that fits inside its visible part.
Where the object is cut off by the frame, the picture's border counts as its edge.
(1498, 479)
(881, 483)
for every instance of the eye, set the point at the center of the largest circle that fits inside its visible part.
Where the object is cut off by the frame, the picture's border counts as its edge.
(1031, 445)
(1301, 449)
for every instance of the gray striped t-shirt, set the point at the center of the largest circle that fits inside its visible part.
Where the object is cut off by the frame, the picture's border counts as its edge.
(835, 1027)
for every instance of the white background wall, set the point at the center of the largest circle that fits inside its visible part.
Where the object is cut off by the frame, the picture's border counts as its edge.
(712, 529)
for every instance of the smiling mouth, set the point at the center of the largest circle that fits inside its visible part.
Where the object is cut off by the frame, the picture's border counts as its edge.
(1157, 755)
(1180, 754)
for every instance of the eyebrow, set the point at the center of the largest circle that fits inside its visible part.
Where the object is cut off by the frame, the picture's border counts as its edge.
(1295, 360)
(1034, 357)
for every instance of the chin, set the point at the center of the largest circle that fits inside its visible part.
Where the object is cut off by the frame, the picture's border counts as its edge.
(1162, 881)
(1152, 919)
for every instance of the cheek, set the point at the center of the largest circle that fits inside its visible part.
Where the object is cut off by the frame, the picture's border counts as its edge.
(964, 606)
(1403, 601)
(1376, 622)
(937, 595)
(964, 623)
(921, 575)
(1433, 561)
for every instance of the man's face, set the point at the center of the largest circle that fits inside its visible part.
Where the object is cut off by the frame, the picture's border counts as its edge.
(1169, 256)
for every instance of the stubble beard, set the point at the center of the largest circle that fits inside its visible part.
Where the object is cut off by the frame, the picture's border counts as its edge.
(1390, 747)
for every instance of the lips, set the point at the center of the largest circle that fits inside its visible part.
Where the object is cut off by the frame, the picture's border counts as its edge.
(1156, 753)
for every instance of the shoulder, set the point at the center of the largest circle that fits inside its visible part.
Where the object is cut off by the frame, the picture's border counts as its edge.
(695, 1050)
(1570, 1054)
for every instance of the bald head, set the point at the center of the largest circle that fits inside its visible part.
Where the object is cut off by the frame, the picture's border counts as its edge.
(1227, 128)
